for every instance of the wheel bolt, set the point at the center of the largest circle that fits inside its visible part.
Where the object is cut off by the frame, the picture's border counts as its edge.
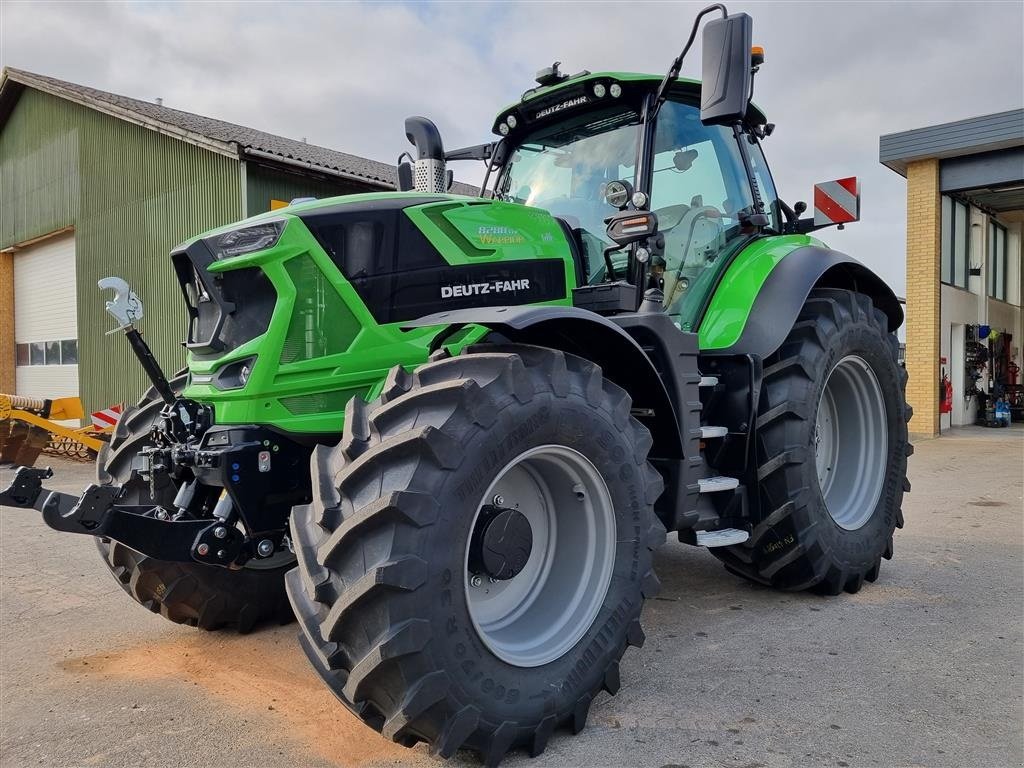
(221, 554)
(203, 549)
(476, 581)
(498, 500)
(220, 531)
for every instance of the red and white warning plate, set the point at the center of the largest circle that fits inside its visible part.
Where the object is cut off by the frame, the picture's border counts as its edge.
(108, 417)
(836, 202)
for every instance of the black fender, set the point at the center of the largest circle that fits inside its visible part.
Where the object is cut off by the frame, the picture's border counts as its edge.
(787, 287)
(584, 333)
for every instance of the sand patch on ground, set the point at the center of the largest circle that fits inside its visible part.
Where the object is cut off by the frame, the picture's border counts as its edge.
(878, 594)
(264, 676)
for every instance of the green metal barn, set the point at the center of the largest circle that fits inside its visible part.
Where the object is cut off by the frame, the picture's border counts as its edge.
(95, 184)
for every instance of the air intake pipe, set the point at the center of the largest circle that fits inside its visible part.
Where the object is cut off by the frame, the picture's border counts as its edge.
(429, 175)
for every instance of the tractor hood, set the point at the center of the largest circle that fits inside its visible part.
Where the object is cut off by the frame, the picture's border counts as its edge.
(402, 255)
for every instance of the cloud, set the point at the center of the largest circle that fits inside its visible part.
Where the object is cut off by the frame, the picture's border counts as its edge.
(345, 75)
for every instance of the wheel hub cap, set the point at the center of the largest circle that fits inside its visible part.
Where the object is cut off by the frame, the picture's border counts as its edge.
(501, 544)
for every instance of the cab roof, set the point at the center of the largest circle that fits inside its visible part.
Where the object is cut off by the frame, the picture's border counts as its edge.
(547, 97)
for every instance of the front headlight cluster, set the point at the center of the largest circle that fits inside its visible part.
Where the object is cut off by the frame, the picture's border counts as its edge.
(246, 240)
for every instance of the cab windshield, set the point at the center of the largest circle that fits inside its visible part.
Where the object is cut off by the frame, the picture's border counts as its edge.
(565, 168)
(699, 189)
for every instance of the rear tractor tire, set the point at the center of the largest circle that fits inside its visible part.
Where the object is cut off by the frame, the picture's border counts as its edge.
(478, 551)
(194, 594)
(832, 451)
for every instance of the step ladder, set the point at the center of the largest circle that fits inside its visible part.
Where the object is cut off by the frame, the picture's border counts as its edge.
(723, 537)
(716, 484)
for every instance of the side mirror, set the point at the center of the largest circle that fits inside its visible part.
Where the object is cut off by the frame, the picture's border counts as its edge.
(726, 76)
(405, 180)
(628, 227)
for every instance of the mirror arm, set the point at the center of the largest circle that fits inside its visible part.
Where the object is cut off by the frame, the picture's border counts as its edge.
(476, 152)
(677, 65)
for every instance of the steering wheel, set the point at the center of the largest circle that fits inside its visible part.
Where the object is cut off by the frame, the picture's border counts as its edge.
(689, 248)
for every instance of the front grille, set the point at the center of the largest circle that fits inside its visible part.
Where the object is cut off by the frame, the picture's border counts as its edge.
(321, 402)
(225, 309)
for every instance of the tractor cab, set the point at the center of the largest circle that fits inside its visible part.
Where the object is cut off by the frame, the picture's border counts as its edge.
(593, 153)
(682, 155)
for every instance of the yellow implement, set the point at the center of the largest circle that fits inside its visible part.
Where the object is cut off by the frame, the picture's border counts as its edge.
(26, 424)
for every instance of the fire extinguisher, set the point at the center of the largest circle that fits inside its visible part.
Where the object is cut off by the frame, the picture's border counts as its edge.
(945, 394)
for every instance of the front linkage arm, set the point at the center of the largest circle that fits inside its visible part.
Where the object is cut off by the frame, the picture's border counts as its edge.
(96, 513)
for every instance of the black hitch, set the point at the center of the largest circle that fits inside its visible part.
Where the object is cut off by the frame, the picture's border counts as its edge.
(145, 529)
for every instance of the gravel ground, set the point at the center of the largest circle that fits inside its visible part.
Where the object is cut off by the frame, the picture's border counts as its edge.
(922, 668)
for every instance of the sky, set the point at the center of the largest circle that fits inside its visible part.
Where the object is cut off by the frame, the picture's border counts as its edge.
(346, 74)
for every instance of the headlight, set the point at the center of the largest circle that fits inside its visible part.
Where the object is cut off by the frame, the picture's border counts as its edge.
(246, 240)
(599, 90)
(234, 375)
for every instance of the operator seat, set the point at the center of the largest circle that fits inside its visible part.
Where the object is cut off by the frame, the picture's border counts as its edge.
(689, 233)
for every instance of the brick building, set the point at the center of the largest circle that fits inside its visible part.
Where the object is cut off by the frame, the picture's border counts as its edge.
(965, 210)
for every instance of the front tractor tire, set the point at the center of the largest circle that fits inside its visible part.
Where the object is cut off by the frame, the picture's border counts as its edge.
(198, 595)
(478, 551)
(831, 449)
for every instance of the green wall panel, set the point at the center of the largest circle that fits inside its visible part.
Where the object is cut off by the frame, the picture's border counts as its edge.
(264, 184)
(39, 182)
(132, 195)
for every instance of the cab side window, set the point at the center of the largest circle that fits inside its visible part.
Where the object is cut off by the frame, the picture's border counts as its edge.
(699, 189)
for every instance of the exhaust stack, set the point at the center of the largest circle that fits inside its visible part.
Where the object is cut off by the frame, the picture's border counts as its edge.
(429, 174)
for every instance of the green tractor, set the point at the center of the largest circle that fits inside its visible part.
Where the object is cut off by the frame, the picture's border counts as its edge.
(448, 432)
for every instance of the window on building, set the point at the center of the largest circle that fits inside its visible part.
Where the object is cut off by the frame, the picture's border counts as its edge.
(59, 352)
(53, 353)
(69, 352)
(997, 261)
(947, 239)
(956, 241)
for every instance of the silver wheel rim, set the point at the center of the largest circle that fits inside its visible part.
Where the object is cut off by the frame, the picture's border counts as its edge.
(541, 613)
(851, 442)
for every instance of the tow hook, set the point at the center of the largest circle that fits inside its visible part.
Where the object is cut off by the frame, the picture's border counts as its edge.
(140, 527)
